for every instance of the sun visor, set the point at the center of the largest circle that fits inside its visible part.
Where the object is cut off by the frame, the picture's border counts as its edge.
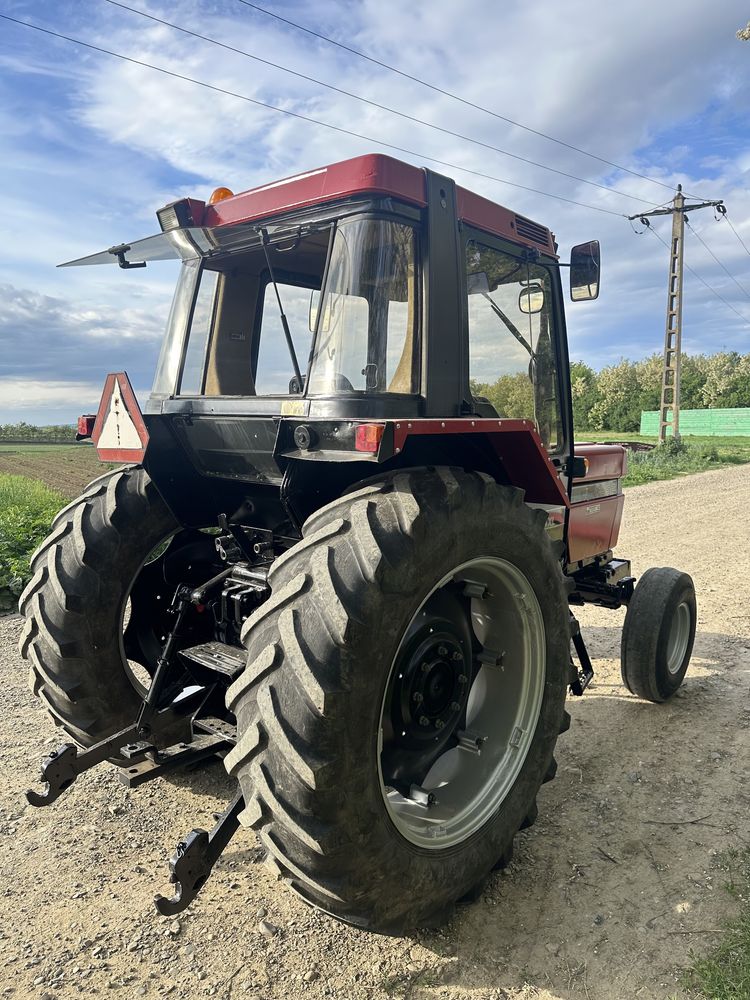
(173, 245)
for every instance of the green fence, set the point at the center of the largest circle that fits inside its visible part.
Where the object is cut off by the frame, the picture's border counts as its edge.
(708, 422)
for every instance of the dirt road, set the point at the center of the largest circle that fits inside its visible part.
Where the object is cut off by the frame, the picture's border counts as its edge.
(607, 894)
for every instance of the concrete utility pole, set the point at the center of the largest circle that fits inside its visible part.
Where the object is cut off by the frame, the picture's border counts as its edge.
(670, 379)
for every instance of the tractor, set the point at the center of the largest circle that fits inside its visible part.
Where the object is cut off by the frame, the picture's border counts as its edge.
(346, 545)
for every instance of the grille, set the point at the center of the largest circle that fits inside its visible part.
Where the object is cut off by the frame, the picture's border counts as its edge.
(532, 232)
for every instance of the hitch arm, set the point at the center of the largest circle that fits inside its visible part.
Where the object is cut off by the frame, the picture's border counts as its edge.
(61, 768)
(195, 857)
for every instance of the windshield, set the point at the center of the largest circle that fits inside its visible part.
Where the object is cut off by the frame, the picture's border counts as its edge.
(367, 320)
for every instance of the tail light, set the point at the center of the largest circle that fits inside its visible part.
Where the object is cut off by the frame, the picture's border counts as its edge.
(367, 437)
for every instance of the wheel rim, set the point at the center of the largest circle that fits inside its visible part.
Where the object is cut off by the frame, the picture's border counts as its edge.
(462, 703)
(679, 637)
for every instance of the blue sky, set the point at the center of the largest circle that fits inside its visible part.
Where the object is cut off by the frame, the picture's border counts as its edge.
(92, 146)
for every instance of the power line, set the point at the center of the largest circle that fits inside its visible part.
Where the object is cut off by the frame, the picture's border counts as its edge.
(455, 97)
(726, 271)
(702, 281)
(374, 104)
(742, 242)
(300, 117)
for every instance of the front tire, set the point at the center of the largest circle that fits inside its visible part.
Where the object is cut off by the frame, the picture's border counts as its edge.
(658, 634)
(322, 756)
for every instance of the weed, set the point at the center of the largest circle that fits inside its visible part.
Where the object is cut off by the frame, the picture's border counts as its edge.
(724, 973)
(27, 508)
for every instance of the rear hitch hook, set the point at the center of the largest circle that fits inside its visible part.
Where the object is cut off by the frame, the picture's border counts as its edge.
(195, 857)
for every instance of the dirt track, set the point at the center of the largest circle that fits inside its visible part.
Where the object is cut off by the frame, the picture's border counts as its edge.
(608, 892)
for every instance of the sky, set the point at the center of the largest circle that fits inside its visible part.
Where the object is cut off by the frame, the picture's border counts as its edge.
(91, 146)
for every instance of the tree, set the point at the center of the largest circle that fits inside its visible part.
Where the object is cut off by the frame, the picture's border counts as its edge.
(585, 393)
(744, 33)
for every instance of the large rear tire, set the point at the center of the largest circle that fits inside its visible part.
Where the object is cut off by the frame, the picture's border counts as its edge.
(75, 603)
(386, 603)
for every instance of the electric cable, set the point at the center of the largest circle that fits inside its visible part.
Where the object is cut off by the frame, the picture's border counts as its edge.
(722, 266)
(742, 242)
(456, 97)
(306, 118)
(702, 281)
(373, 104)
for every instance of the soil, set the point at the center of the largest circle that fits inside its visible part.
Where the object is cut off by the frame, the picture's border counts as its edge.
(65, 468)
(606, 898)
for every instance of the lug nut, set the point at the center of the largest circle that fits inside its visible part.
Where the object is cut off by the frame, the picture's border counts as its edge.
(425, 667)
(419, 698)
(457, 656)
(439, 724)
(455, 706)
(423, 720)
(462, 679)
(442, 651)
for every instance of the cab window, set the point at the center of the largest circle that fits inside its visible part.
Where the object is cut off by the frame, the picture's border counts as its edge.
(511, 346)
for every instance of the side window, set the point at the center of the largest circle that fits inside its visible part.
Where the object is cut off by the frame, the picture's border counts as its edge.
(274, 369)
(511, 347)
(191, 383)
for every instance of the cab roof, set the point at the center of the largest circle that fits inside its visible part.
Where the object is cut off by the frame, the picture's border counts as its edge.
(372, 174)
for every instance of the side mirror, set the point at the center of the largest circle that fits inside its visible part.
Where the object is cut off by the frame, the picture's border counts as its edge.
(585, 264)
(531, 299)
(478, 283)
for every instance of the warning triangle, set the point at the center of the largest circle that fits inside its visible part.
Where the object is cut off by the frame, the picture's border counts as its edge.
(119, 432)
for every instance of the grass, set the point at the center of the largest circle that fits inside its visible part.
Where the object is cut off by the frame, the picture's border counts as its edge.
(724, 973)
(691, 454)
(27, 508)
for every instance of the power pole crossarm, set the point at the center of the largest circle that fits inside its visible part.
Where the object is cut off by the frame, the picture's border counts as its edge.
(669, 410)
(684, 208)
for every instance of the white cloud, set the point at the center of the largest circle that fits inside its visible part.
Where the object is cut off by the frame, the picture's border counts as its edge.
(32, 394)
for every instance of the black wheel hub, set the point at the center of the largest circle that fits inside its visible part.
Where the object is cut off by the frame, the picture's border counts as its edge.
(429, 689)
(432, 685)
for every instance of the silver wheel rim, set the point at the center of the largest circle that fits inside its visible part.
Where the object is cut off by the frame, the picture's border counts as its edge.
(679, 636)
(478, 766)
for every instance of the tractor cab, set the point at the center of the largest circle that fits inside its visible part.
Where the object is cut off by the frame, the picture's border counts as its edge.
(369, 290)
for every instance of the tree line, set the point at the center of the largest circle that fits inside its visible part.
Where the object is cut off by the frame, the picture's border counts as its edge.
(613, 398)
(52, 433)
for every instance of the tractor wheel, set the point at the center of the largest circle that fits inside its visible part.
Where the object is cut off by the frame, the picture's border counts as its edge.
(658, 634)
(404, 691)
(76, 601)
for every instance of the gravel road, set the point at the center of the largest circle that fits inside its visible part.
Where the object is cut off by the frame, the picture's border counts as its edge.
(606, 897)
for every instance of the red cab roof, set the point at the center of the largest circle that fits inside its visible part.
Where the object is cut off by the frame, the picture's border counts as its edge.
(372, 174)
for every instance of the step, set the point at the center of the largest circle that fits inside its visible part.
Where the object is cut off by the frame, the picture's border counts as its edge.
(220, 657)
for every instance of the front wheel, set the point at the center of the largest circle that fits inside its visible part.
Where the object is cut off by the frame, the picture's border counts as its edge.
(658, 634)
(403, 695)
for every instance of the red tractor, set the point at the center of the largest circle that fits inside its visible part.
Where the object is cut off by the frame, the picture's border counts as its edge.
(330, 559)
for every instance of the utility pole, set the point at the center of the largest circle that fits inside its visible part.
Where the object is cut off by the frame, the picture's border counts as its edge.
(670, 378)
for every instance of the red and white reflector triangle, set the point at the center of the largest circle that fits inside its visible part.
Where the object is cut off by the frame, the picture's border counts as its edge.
(119, 433)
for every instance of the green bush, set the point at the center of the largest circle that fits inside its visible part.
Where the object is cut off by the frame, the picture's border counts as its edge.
(27, 508)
